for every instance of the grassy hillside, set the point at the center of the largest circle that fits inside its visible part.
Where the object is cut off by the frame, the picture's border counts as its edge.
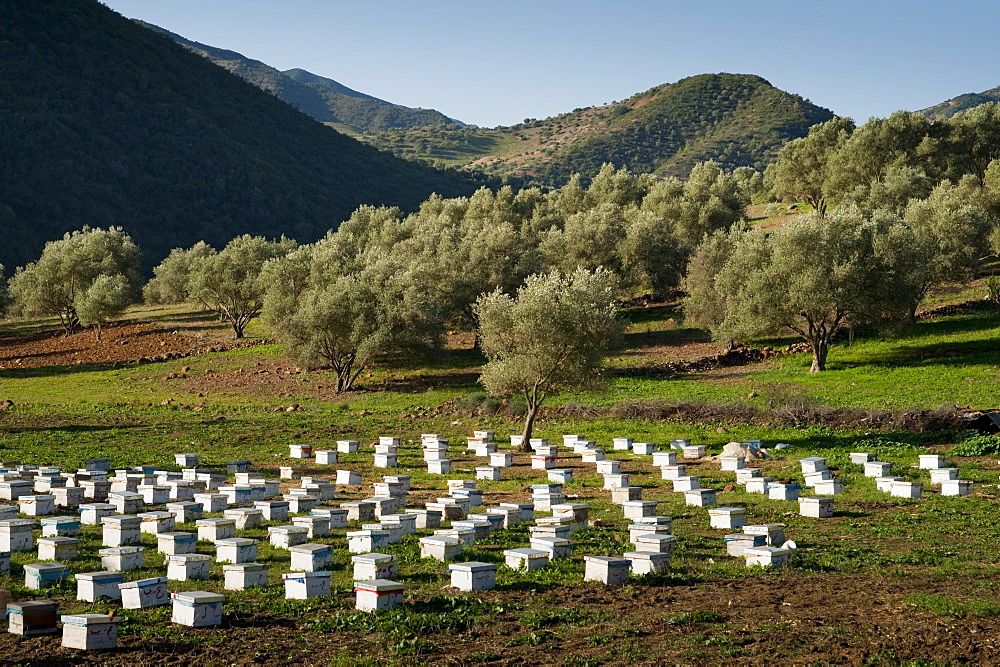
(103, 122)
(964, 102)
(324, 99)
(736, 119)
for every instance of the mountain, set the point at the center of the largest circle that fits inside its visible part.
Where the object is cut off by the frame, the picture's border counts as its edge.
(103, 122)
(735, 119)
(324, 99)
(961, 103)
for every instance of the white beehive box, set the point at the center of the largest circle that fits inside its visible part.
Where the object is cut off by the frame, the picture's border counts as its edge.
(931, 461)
(545, 503)
(727, 518)
(902, 489)
(527, 510)
(813, 478)
(502, 459)
(187, 460)
(773, 532)
(542, 462)
(623, 444)
(121, 530)
(283, 537)
(616, 481)
(637, 529)
(488, 472)
(694, 451)
(327, 457)
(32, 618)
(688, 483)
(40, 505)
(744, 475)
(578, 513)
(673, 471)
(243, 517)
(700, 497)
(89, 632)
(555, 547)
(378, 594)
(441, 547)
(829, 487)
(290, 472)
(236, 550)
(273, 510)
(939, 475)
(385, 460)
(664, 459)
(484, 449)
(438, 466)
(447, 507)
(473, 576)
(592, 455)
(525, 559)
(60, 526)
(426, 519)
(155, 523)
(197, 609)
(737, 543)
(956, 487)
(347, 446)
(861, 458)
(560, 475)
(365, 541)
(817, 508)
(126, 502)
(317, 525)
(213, 530)
(509, 517)
(300, 504)
(884, 484)
(763, 485)
(766, 556)
(153, 494)
(90, 586)
(300, 451)
(237, 494)
(145, 593)
(877, 469)
(643, 448)
(609, 467)
(480, 529)
(186, 510)
(174, 544)
(647, 562)
(731, 463)
(311, 557)
(58, 548)
(656, 542)
(42, 575)
(635, 509)
(391, 441)
(68, 496)
(624, 494)
(610, 570)
(122, 559)
(241, 576)
(373, 566)
(813, 464)
(188, 567)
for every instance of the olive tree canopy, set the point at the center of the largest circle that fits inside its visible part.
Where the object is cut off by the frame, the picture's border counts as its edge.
(552, 336)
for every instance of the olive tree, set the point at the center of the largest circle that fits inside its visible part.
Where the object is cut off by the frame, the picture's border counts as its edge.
(552, 336)
(801, 172)
(230, 282)
(53, 285)
(106, 298)
(815, 277)
(333, 307)
(171, 281)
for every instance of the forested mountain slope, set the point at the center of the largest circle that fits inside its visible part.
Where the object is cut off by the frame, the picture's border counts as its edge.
(324, 99)
(104, 122)
(735, 119)
(964, 102)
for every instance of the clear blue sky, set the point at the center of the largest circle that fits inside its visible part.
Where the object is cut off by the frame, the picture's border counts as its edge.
(496, 63)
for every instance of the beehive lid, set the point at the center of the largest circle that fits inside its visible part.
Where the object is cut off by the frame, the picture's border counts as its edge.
(273, 504)
(373, 558)
(310, 548)
(58, 541)
(446, 540)
(554, 541)
(83, 620)
(156, 516)
(813, 459)
(125, 495)
(46, 567)
(29, 605)
(104, 577)
(818, 501)
(197, 597)
(655, 537)
(645, 555)
(325, 574)
(638, 503)
(527, 553)
(766, 551)
(54, 520)
(245, 567)
(37, 499)
(241, 511)
(120, 551)
(327, 511)
(727, 511)
(215, 522)
(611, 561)
(121, 519)
(177, 537)
(188, 558)
(763, 529)
(652, 520)
(472, 566)
(378, 586)
(235, 542)
(96, 506)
